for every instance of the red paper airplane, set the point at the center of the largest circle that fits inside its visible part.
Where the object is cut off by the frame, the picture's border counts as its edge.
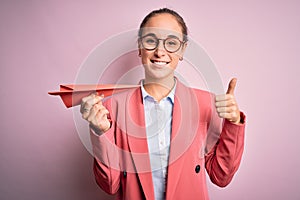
(71, 95)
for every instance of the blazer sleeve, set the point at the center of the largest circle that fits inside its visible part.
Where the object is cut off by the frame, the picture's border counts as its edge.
(223, 159)
(106, 159)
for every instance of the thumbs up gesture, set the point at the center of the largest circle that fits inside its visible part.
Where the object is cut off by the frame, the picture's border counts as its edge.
(226, 105)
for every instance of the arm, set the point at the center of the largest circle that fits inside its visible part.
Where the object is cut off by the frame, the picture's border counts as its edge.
(106, 161)
(102, 134)
(223, 160)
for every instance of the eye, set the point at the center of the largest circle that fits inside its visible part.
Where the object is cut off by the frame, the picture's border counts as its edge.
(172, 42)
(150, 40)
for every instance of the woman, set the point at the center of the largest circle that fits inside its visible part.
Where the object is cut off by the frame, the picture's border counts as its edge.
(154, 142)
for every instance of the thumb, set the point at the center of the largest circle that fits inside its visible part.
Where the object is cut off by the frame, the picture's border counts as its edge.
(231, 86)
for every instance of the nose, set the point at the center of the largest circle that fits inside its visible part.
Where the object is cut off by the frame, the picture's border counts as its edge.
(160, 50)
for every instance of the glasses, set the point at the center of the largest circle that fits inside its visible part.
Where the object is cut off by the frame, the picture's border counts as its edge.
(151, 42)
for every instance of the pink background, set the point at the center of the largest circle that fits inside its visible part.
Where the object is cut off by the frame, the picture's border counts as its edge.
(43, 44)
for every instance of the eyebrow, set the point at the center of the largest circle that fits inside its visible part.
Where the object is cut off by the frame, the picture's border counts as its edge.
(152, 34)
(173, 36)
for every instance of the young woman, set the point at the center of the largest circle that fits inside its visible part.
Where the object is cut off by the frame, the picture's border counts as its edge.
(154, 142)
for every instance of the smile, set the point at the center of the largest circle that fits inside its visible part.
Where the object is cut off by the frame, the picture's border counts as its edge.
(159, 62)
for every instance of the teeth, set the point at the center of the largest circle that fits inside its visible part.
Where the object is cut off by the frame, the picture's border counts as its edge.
(160, 63)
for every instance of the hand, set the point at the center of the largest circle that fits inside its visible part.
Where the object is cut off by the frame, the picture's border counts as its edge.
(95, 113)
(226, 105)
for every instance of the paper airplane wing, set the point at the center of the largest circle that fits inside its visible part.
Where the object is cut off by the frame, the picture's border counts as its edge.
(71, 95)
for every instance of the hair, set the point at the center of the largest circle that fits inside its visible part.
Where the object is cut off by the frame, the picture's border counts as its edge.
(178, 18)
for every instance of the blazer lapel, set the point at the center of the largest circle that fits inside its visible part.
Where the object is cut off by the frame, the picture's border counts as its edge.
(137, 141)
(185, 112)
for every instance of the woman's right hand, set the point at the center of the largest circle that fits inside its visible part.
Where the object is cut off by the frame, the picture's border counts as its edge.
(95, 113)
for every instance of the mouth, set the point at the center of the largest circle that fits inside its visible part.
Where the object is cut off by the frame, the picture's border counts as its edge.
(160, 63)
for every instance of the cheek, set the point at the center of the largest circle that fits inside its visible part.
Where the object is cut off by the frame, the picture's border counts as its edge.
(175, 58)
(145, 56)
(180, 53)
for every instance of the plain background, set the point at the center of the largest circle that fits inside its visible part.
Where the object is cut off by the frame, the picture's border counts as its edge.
(43, 43)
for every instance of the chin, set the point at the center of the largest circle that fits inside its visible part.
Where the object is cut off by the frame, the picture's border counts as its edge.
(158, 74)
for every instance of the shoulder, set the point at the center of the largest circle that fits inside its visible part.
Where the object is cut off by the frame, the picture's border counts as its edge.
(196, 100)
(202, 95)
(201, 92)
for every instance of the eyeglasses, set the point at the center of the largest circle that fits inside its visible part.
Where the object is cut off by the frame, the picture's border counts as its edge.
(151, 42)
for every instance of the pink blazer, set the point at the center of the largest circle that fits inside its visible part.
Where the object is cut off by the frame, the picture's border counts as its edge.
(198, 142)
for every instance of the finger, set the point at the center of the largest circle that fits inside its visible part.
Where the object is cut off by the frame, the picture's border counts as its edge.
(89, 108)
(231, 86)
(101, 119)
(98, 113)
(102, 114)
(96, 98)
(225, 103)
(100, 94)
(85, 113)
(83, 107)
(92, 101)
(227, 109)
(224, 97)
(85, 99)
(93, 111)
(232, 116)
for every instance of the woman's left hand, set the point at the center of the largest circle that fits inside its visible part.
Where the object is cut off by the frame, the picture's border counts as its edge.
(227, 106)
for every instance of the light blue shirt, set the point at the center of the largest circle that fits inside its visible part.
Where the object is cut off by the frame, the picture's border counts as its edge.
(158, 120)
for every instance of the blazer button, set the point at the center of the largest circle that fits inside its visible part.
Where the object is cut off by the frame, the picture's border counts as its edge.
(125, 174)
(197, 169)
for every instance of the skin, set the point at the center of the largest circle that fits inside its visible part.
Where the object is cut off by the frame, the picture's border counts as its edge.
(159, 78)
(227, 106)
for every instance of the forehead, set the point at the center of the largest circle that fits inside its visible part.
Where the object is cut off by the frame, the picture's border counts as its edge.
(163, 25)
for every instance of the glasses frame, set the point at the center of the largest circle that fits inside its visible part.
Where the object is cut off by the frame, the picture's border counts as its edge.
(164, 43)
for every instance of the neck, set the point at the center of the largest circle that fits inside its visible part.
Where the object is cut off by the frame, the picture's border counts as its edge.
(159, 89)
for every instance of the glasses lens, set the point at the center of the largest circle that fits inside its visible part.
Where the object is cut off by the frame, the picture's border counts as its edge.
(149, 42)
(172, 44)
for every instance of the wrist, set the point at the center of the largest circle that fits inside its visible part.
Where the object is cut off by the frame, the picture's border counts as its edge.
(240, 120)
(97, 130)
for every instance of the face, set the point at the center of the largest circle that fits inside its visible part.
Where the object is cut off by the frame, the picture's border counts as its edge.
(159, 63)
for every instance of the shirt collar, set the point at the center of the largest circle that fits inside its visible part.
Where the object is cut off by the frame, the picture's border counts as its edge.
(170, 96)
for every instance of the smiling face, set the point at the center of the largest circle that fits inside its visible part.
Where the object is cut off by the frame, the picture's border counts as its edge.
(159, 63)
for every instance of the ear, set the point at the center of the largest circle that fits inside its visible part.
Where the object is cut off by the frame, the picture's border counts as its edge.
(181, 53)
(184, 47)
(139, 47)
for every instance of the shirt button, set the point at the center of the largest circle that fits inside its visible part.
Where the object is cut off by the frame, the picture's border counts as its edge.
(197, 169)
